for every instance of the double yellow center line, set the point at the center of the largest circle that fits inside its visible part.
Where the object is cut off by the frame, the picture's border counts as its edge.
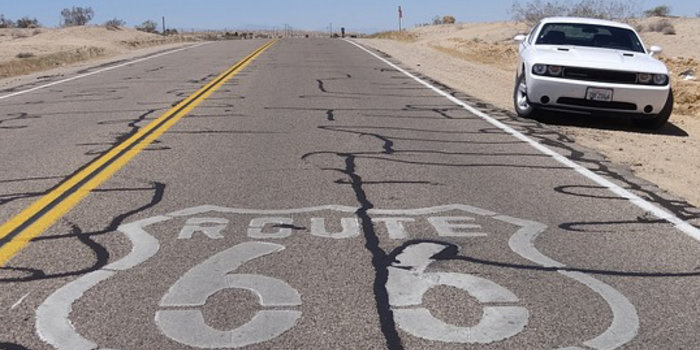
(16, 233)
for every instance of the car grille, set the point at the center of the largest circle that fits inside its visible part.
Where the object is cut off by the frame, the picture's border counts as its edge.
(625, 106)
(607, 76)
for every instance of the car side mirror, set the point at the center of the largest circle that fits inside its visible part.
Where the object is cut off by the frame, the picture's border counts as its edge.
(520, 38)
(655, 50)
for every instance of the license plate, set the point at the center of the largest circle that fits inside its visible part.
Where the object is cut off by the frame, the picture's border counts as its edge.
(597, 94)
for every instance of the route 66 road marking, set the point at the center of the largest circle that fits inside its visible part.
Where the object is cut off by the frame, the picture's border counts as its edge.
(407, 283)
(187, 326)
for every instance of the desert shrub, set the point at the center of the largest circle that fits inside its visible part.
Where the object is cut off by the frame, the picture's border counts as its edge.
(25, 55)
(448, 20)
(601, 9)
(535, 10)
(661, 26)
(6, 22)
(393, 35)
(76, 16)
(669, 30)
(148, 26)
(658, 11)
(170, 32)
(26, 22)
(437, 20)
(20, 34)
(114, 24)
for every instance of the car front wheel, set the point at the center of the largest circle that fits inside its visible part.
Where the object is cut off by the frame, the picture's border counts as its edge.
(660, 119)
(522, 105)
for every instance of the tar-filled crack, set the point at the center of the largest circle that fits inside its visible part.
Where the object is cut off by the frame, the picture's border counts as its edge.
(566, 145)
(380, 259)
(12, 346)
(122, 136)
(86, 238)
(15, 117)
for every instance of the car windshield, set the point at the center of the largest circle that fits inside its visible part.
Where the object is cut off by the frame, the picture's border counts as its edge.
(589, 35)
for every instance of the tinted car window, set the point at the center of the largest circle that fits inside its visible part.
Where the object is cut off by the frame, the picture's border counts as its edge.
(589, 35)
(531, 36)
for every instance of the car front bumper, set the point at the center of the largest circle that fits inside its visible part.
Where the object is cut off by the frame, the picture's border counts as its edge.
(567, 94)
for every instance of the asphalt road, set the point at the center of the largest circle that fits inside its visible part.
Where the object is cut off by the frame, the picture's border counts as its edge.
(319, 198)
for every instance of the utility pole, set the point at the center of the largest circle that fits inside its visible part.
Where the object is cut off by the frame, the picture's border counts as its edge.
(163, 24)
(400, 18)
(331, 29)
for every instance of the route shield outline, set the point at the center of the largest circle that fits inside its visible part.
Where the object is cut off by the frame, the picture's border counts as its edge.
(54, 326)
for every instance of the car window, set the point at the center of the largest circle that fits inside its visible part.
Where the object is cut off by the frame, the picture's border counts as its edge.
(589, 35)
(531, 36)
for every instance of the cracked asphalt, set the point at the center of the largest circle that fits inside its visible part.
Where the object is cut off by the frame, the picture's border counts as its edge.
(345, 205)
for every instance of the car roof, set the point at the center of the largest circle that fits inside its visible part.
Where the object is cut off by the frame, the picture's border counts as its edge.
(581, 20)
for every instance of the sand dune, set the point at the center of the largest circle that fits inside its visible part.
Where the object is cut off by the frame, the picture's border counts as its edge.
(24, 51)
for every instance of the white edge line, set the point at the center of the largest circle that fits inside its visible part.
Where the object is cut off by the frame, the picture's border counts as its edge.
(99, 71)
(647, 206)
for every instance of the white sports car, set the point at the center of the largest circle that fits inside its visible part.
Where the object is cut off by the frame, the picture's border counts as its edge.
(590, 66)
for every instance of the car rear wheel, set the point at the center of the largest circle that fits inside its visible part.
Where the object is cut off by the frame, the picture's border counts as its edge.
(522, 105)
(660, 119)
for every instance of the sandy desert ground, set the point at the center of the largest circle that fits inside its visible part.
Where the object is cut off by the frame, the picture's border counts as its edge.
(457, 54)
(24, 51)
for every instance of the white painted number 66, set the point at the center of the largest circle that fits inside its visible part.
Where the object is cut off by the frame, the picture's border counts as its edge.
(408, 282)
(186, 324)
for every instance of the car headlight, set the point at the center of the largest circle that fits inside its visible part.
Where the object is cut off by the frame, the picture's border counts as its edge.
(539, 69)
(554, 70)
(644, 78)
(660, 79)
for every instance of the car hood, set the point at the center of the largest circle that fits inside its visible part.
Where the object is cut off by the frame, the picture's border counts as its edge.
(588, 57)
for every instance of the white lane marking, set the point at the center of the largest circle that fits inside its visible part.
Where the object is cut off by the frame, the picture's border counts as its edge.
(97, 72)
(660, 213)
(53, 315)
(16, 304)
(408, 282)
(187, 326)
(625, 323)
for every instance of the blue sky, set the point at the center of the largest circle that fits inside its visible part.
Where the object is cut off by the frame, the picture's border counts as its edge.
(356, 15)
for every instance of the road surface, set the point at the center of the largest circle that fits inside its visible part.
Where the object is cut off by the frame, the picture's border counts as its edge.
(308, 194)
